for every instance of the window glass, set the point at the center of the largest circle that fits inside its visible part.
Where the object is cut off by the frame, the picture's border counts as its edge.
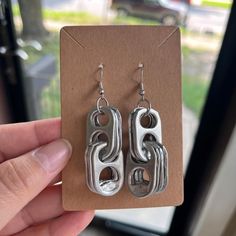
(202, 24)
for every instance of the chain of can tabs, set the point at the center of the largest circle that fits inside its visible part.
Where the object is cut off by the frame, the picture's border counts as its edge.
(146, 170)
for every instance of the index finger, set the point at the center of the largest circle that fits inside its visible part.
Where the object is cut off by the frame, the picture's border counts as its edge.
(17, 139)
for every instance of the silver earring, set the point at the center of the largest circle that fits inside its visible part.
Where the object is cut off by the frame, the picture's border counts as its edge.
(147, 164)
(104, 141)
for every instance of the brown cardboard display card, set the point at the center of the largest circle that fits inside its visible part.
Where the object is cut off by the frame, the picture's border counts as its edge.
(120, 49)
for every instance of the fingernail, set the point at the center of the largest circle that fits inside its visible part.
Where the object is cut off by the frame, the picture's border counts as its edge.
(54, 156)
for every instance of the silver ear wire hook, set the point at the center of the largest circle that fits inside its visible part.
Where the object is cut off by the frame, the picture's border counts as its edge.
(142, 90)
(101, 89)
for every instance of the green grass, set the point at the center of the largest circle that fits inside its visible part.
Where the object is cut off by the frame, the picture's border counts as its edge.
(15, 10)
(194, 93)
(130, 20)
(71, 17)
(65, 16)
(218, 4)
(186, 51)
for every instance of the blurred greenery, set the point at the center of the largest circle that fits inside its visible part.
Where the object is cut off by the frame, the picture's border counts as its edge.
(50, 102)
(194, 88)
(217, 3)
(49, 46)
(72, 17)
(185, 50)
(130, 20)
(50, 97)
(194, 93)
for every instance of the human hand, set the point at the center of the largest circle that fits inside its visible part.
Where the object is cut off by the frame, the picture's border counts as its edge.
(31, 159)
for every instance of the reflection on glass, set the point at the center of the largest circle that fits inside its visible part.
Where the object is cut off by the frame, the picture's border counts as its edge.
(202, 32)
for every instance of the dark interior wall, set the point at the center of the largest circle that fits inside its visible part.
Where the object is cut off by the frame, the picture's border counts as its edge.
(4, 111)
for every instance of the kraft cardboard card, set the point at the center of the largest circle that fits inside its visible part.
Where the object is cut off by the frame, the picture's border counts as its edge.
(120, 49)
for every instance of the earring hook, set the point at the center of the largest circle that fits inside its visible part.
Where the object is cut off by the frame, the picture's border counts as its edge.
(141, 66)
(101, 90)
(142, 90)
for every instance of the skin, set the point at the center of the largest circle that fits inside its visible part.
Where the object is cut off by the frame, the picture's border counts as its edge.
(32, 156)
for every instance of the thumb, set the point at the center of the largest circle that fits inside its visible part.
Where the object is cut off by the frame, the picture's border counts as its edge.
(24, 177)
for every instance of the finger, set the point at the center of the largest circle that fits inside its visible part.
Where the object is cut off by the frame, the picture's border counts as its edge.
(47, 205)
(23, 178)
(69, 224)
(16, 139)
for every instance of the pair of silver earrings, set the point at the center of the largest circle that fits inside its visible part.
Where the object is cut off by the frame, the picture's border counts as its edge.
(146, 170)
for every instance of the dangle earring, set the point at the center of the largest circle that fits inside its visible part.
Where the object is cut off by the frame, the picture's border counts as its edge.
(147, 159)
(103, 156)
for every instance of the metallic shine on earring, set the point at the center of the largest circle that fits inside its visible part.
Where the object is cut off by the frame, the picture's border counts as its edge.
(104, 142)
(147, 159)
